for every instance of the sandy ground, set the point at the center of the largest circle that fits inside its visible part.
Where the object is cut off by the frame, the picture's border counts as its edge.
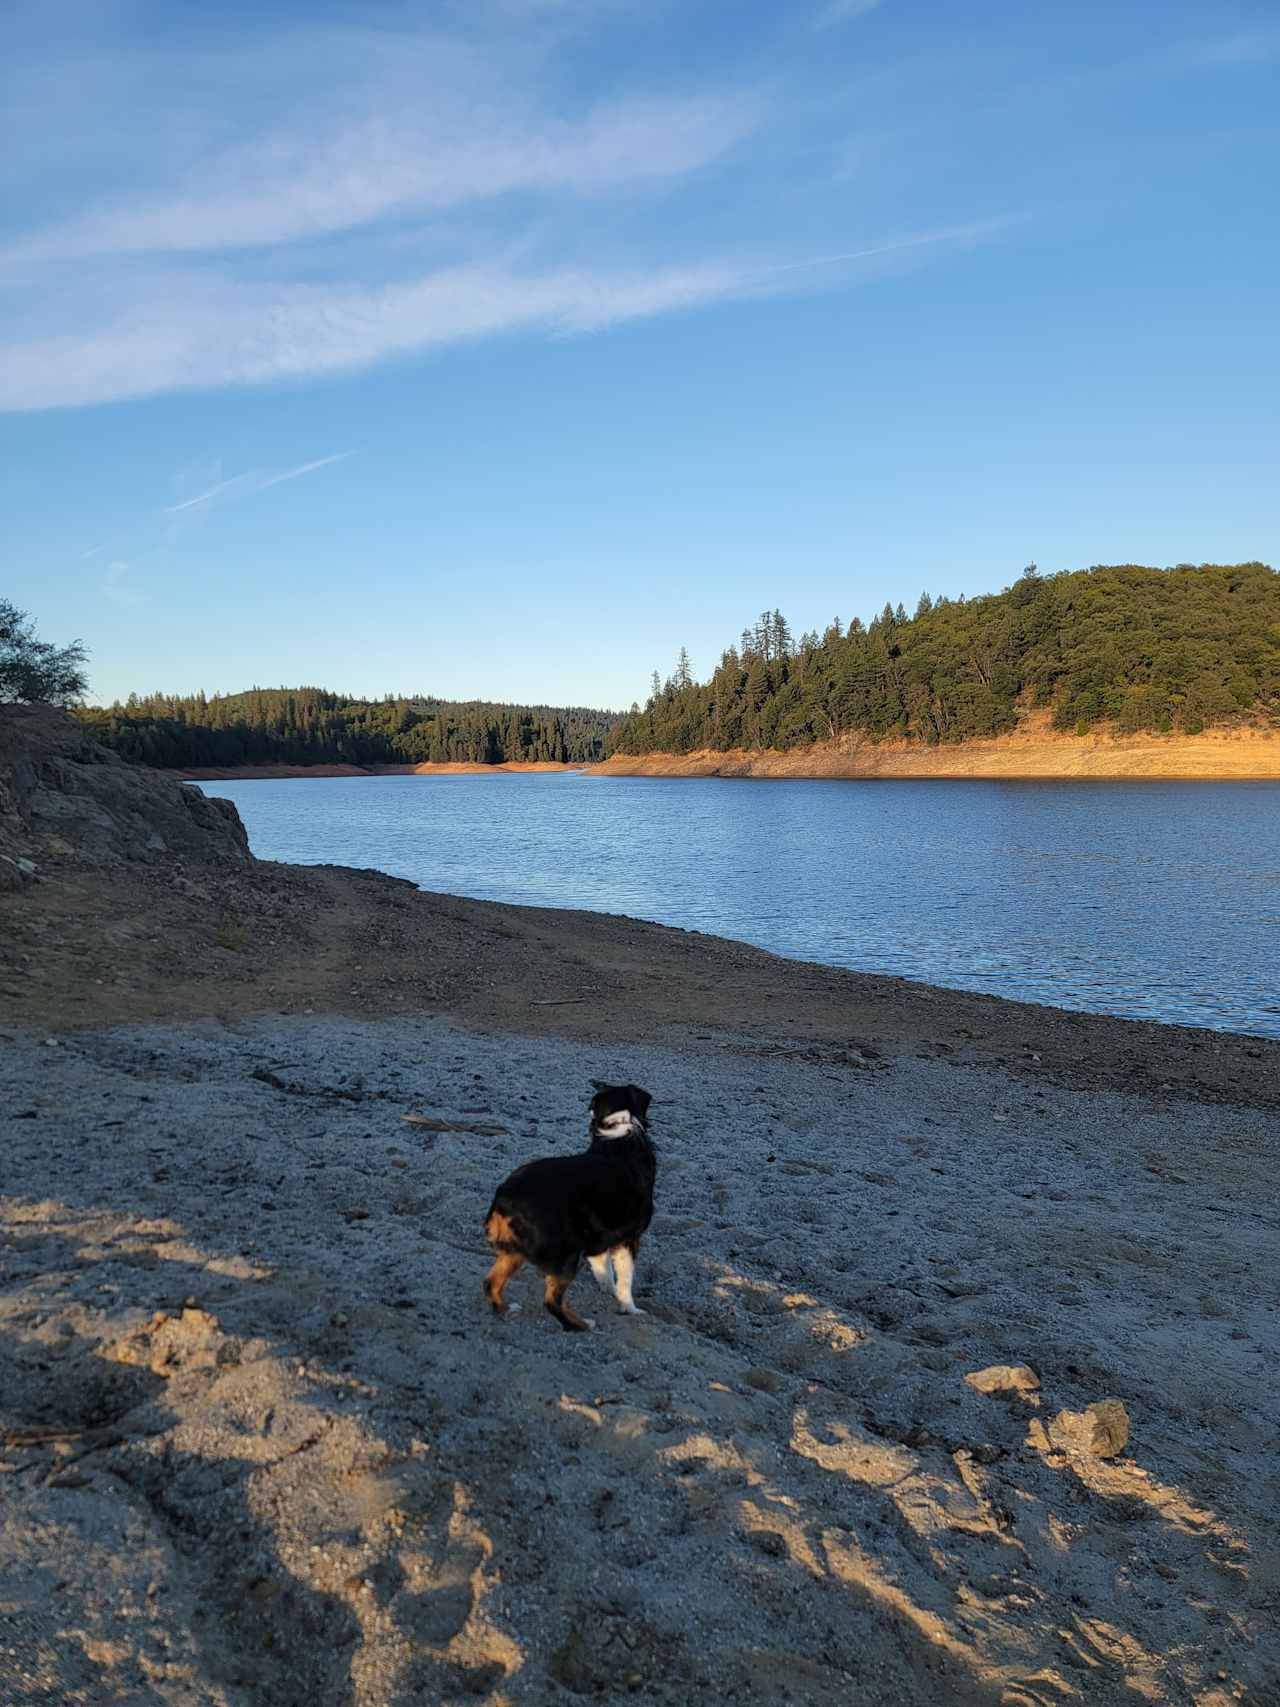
(1032, 750)
(262, 1443)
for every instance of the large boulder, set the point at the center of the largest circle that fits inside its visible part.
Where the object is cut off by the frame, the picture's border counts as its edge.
(66, 798)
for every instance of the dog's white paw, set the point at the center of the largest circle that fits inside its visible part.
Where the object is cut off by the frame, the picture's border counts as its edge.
(631, 1310)
(588, 1322)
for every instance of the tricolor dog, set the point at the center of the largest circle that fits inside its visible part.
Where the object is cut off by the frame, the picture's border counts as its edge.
(561, 1209)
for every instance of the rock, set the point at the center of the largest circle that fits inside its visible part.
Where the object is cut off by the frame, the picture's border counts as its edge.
(63, 794)
(1004, 1378)
(1100, 1431)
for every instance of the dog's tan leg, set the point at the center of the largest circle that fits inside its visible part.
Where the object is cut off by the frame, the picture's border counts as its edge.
(505, 1265)
(624, 1265)
(556, 1302)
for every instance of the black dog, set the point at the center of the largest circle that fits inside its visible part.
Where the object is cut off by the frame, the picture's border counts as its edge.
(555, 1211)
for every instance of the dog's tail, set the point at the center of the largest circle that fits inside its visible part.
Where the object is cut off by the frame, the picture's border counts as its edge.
(500, 1232)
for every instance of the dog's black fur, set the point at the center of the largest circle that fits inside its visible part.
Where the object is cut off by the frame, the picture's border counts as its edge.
(561, 1209)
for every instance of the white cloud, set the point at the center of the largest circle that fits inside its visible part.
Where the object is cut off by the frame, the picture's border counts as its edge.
(315, 201)
(297, 184)
(247, 335)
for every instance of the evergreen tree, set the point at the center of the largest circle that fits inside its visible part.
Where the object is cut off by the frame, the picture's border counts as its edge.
(1137, 647)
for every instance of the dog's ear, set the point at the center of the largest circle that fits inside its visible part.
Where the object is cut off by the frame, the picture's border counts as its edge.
(640, 1101)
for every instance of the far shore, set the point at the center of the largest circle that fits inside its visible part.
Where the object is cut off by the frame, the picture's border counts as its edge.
(1032, 752)
(265, 773)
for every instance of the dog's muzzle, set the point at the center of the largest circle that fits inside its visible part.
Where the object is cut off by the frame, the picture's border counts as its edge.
(624, 1124)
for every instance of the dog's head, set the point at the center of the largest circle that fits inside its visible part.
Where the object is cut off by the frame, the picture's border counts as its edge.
(619, 1111)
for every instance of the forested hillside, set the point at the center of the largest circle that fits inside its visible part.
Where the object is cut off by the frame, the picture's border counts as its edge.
(1167, 650)
(306, 726)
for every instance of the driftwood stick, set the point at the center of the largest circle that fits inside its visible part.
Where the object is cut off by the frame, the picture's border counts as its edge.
(432, 1123)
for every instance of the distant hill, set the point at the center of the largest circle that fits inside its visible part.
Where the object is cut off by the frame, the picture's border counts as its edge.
(1167, 650)
(310, 726)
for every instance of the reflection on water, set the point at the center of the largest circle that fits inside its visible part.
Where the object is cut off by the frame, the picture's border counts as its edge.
(1160, 899)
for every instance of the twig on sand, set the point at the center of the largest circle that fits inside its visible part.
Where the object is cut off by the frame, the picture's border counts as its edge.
(557, 1001)
(278, 1084)
(432, 1124)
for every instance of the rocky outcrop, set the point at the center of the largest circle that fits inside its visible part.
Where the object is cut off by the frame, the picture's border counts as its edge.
(64, 798)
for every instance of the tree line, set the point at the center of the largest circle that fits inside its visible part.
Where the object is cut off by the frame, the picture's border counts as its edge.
(311, 726)
(1136, 648)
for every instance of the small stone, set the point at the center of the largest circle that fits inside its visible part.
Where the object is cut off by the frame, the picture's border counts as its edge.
(1099, 1431)
(1004, 1378)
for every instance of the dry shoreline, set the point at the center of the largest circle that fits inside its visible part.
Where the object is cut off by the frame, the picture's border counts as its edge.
(1032, 752)
(251, 773)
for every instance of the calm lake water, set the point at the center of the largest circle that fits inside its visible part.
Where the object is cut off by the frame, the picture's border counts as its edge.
(1160, 899)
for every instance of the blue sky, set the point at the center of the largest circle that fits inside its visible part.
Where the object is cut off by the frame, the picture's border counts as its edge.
(499, 348)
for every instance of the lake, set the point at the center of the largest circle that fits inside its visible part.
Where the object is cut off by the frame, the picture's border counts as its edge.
(1157, 900)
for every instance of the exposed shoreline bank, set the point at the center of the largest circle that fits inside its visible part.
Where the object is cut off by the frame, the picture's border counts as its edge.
(267, 773)
(1030, 753)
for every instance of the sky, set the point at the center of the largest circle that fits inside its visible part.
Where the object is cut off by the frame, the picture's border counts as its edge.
(500, 348)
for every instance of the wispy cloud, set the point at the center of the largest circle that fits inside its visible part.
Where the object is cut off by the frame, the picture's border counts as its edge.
(305, 468)
(245, 337)
(970, 233)
(335, 199)
(295, 184)
(841, 12)
(156, 530)
(204, 498)
(242, 485)
(248, 336)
